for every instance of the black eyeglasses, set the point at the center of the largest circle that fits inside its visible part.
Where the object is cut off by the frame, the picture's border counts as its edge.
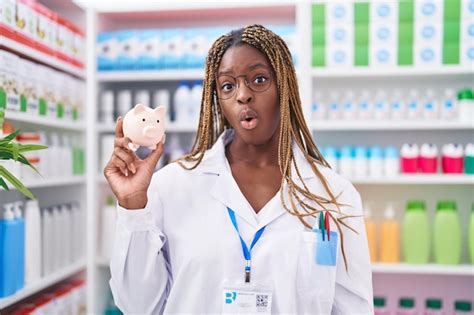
(258, 80)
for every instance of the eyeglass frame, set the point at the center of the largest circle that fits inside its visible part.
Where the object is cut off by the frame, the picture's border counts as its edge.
(270, 77)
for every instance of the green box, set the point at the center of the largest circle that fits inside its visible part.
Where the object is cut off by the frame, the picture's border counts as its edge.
(405, 55)
(361, 55)
(318, 58)
(451, 52)
(318, 14)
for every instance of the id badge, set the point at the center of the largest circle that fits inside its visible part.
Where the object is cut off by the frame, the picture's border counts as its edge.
(246, 298)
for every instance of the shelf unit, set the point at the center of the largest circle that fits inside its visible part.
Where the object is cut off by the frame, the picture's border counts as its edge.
(49, 191)
(43, 283)
(428, 269)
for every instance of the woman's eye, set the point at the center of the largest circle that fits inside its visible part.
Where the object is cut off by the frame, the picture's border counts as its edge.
(260, 79)
(227, 87)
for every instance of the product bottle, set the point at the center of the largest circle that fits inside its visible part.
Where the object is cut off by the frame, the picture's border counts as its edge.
(449, 110)
(413, 108)
(391, 162)
(452, 159)
(470, 234)
(428, 158)
(330, 155)
(181, 103)
(47, 241)
(349, 109)
(365, 106)
(381, 107)
(361, 163)
(416, 233)
(376, 162)
(430, 105)
(195, 103)
(57, 235)
(389, 237)
(466, 105)
(20, 244)
(318, 108)
(107, 107)
(142, 97)
(462, 307)
(124, 102)
(469, 159)
(346, 161)
(8, 249)
(409, 158)
(406, 306)
(447, 234)
(370, 230)
(334, 110)
(33, 236)
(433, 307)
(67, 239)
(397, 106)
(162, 98)
(380, 307)
(108, 228)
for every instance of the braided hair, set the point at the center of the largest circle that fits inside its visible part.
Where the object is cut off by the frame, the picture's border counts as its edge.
(293, 127)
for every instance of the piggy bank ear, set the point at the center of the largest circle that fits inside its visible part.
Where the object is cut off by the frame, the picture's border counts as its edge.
(139, 108)
(161, 110)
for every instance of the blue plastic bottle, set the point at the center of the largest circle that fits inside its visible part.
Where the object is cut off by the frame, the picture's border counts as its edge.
(8, 228)
(20, 246)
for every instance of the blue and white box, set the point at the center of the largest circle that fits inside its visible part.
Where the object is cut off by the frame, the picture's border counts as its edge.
(149, 50)
(196, 48)
(107, 51)
(173, 48)
(128, 49)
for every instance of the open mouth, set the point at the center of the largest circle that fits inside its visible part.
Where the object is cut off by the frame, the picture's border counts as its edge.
(248, 119)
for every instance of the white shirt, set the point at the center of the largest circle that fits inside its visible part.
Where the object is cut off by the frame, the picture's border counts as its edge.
(173, 256)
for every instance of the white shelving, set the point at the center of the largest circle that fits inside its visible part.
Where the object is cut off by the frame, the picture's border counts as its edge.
(343, 125)
(430, 269)
(421, 179)
(45, 121)
(53, 182)
(162, 75)
(41, 57)
(394, 72)
(42, 284)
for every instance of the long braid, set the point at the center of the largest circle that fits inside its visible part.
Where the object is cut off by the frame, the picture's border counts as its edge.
(293, 126)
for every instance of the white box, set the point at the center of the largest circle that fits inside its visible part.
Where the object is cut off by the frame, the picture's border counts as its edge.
(428, 30)
(383, 34)
(9, 80)
(8, 13)
(467, 34)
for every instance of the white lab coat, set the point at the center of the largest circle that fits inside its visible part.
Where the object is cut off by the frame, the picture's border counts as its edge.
(172, 256)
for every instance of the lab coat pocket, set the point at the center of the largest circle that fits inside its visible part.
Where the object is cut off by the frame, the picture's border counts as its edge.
(316, 272)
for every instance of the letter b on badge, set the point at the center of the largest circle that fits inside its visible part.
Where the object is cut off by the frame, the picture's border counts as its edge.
(230, 297)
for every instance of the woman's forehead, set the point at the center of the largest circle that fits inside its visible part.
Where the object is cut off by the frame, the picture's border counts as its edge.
(242, 58)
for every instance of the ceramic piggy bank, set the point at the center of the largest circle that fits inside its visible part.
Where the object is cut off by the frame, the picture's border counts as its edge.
(144, 126)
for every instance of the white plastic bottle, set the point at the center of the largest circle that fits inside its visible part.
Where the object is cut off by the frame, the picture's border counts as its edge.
(142, 97)
(376, 162)
(346, 162)
(319, 106)
(175, 148)
(57, 231)
(365, 106)
(330, 154)
(361, 163)
(413, 105)
(33, 248)
(67, 244)
(430, 105)
(47, 241)
(20, 245)
(181, 101)
(449, 108)
(54, 152)
(66, 150)
(334, 110)
(124, 102)
(391, 161)
(195, 103)
(162, 98)
(381, 106)
(349, 106)
(108, 228)
(107, 107)
(397, 106)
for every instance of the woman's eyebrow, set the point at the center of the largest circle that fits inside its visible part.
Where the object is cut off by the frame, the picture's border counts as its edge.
(250, 67)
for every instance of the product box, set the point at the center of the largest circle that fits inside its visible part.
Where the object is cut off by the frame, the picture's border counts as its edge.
(196, 46)
(173, 48)
(76, 44)
(128, 49)
(31, 90)
(467, 34)
(8, 13)
(9, 88)
(26, 18)
(63, 39)
(149, 49)
(107, 51)
(339, 34)
(24, 80)
(383, 28)
(428, 33)
(44, 25)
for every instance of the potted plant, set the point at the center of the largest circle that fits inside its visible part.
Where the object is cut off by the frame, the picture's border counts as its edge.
(11, 150)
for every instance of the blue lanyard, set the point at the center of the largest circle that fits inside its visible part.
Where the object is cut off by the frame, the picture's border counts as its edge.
(245, 249)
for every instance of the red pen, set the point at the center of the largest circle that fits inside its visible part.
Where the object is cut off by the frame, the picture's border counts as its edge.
(326, 224)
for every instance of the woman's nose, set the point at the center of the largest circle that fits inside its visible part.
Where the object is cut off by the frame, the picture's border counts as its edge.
(244, 93)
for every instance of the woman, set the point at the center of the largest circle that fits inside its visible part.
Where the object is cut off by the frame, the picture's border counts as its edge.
(228, 228)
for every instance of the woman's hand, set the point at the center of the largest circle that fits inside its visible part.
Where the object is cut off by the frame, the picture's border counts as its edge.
(127, 175)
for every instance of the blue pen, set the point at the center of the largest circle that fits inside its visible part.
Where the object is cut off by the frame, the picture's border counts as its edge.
(321, 224)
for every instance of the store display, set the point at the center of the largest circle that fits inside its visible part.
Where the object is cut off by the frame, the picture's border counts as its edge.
(447, 243)
(416, 233)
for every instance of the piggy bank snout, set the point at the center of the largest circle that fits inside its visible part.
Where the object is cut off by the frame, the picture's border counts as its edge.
(151, 131)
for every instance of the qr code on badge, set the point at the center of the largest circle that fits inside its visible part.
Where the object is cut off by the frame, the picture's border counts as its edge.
(262, 300)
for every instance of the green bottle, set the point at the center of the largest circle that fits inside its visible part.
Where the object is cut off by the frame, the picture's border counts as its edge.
(462, 307)
(416, 233)
(470, 235)
(447, 234)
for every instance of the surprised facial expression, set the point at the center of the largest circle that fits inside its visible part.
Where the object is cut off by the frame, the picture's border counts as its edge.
(248, 95)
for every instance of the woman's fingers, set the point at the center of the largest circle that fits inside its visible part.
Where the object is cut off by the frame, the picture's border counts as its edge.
(119, 128)
(127, 157)
(116, 162)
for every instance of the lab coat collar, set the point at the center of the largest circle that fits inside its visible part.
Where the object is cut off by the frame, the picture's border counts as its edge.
(225, 186)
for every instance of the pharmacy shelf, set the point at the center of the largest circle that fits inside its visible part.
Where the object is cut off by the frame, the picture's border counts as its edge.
(145, 75)
(181, 128)
(41, 57)
(53, 182)
(42, 284)
(418, 179)
(44, 121)
(349, 125)
(395, 72)
(429, 269)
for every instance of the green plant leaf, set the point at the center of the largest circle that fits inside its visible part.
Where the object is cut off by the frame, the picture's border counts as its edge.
(31, 147)
(15, 182)
(10, 137)
(3, 184)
